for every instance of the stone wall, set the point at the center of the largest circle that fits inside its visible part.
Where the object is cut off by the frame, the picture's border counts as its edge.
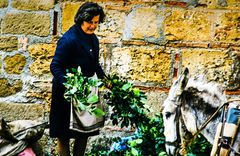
(146, 41)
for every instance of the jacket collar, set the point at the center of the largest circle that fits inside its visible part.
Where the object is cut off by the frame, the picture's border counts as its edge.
(88, 42)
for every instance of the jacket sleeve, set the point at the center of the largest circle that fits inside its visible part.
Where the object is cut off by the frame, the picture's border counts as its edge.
(99, 71)
(60, 60)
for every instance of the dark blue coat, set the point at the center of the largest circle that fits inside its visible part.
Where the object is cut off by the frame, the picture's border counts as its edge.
(74, 48)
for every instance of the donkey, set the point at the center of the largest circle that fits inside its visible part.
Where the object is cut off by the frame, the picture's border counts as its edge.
(191, 101)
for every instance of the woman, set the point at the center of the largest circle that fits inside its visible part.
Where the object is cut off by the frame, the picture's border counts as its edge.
(79, 46)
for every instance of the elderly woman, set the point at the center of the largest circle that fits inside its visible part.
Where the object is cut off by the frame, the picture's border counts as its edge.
(79, 46)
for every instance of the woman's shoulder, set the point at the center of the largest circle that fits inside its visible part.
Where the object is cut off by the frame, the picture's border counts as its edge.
(70, 33)
(68, 37)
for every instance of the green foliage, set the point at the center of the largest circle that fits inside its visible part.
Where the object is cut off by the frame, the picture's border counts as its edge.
(152, 136)
(128, 103)
(101, 147)
(199, 147)
(130, 109)
(149, 139)
(80, 88)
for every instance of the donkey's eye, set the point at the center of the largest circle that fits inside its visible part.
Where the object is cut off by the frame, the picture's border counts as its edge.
(168, 114)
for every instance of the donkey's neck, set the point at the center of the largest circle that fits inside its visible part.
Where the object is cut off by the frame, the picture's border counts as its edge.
(195, 113)
(201, 100)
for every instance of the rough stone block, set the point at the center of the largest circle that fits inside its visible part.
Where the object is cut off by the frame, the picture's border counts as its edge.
(14, 64)
(44, 51)
(156, 99)
(68, 12)
(222, 4)
(227, 27)
(44, 67)
(20, 111)
(188, 25)
(1, 64)
(8, 43)
(3, 3)
(232, 4)
(233, 1)
(113, 24)
(33, 4)
(217, 62)
(144, 64)
(40, 90)
(142, 23)
(42, 55)
(177, 3)
(208, 3)
(26, 23)
(7, 89)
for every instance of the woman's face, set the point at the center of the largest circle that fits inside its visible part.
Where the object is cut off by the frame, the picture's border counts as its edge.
(90, 26)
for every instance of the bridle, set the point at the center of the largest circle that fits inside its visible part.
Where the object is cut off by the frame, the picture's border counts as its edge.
(176, 142)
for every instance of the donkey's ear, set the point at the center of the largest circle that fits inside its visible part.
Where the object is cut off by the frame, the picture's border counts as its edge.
(185, 78)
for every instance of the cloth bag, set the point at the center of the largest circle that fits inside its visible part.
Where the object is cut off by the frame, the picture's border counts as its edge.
(83, 121)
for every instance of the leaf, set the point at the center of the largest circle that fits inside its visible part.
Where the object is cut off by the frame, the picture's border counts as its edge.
(144, 100)
(73, 90)
(99, 84)
(139, 141)
(79, 69)
(74, 70)
(81, 105)
(134, 151)
(92, 99)
(126, 86)
(132, 143)
(162, 154)
(98, 112)
(70, 75)
(136, 91)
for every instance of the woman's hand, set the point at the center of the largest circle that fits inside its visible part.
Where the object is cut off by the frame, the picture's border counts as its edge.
(107, 82)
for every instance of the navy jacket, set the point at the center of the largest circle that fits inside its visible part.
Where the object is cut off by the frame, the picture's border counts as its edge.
(74, 48)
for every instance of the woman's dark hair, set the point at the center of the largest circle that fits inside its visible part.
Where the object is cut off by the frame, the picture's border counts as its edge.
(87, 11)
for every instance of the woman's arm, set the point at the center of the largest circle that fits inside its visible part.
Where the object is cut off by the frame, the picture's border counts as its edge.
(99, 71)
(60, 60)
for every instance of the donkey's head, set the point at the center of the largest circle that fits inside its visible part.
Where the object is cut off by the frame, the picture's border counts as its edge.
(171, 113)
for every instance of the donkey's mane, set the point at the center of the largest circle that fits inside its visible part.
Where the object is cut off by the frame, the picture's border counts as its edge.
(203, 94)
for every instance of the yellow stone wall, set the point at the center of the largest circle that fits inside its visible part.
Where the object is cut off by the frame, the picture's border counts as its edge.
(3, 3)
(33, 4)
(26, 23)
(188, 25)
(8, 43)
(14, 64)
(42, 55)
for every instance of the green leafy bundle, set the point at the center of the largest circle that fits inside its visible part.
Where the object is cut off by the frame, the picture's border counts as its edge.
(199, 147)
(153, 140)
(147, 140)
(81, 89)
(130, 109)
(128, 103)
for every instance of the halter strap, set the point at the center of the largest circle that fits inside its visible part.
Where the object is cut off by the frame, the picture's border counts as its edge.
(214, 114)
(176, 142)
(211, 117)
